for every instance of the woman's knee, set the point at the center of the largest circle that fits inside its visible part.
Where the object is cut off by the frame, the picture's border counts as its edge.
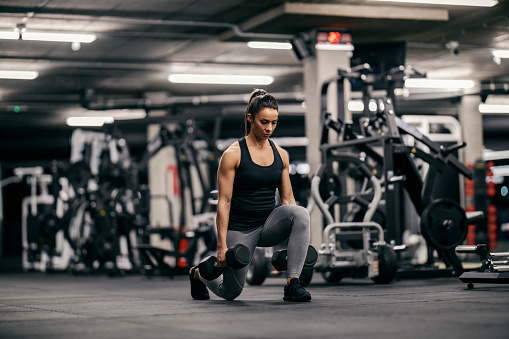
(233, 283)
(300, 214)
(232, 293)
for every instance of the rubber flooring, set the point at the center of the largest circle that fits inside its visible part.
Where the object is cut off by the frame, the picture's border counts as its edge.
(38, 305)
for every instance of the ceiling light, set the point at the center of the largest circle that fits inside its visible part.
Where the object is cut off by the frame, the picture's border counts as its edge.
(10, 35)
(500, 53)
(59, 37)
(269, 45)
(47, 36)
(127, 114)
(20, 75)
(88, 121)
(495, 109)
(221, 79)
(479, 3)
(439, 83)
(337, 47)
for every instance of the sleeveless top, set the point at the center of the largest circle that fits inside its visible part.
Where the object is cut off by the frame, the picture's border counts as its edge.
(254, 190)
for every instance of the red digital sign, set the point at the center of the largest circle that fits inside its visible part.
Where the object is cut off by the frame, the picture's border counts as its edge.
(333, 40)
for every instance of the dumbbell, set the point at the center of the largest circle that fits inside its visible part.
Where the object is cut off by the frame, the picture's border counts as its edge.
(280, 262)
(236, 257)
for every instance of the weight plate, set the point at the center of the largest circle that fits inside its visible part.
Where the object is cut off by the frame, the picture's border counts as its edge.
(258, 269)
(387, 265)
(444, 224)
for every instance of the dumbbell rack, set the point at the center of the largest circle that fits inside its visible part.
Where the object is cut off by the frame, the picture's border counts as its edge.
(491, 271)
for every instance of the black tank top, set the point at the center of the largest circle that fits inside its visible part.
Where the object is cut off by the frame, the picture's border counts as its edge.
(254, 190)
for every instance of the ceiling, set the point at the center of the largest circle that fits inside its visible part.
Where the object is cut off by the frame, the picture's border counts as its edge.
(139, 43)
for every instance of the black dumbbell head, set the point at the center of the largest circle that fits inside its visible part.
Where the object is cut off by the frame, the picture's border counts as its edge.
(311, 257)
(278, 260)
(280, 263)
(208, 268)
(238, 257)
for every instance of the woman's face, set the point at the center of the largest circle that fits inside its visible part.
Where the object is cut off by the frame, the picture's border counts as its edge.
(264, 122)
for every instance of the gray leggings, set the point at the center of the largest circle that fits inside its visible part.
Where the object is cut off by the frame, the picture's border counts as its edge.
(288, 222)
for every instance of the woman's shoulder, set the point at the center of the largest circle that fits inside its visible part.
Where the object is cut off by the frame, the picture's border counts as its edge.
(232, 153)
(233, 148)
(282, 152)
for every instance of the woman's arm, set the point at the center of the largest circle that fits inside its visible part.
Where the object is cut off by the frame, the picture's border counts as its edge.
(285, 189)
(225, 177)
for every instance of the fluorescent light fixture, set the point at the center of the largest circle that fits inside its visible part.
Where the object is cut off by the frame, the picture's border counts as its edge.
(127, 114)
(59, 37)
(500, 53)
(334, 47)
(221, 79)
(478, 3)
(269, 45)
(439, 83)
(20, 75)
(10, 35)
(49, 36)
(88, 121)
(96, 121)
(495, 109)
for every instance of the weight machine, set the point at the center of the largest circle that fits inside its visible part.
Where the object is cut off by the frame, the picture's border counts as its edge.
(374, 259)
(44, 247)
(380, 143)
(194, 235)
(104, 216)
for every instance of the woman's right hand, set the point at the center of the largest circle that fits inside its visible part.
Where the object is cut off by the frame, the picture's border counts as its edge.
(221, 257)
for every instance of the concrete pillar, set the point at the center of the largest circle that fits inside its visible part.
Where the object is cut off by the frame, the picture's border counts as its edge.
(471, 124)
(317, 69)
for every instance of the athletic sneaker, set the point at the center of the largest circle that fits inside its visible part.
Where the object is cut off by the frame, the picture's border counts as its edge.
(198, 289)
(295, 292)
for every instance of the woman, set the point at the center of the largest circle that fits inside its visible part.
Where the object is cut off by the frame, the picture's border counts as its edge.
(249, 172)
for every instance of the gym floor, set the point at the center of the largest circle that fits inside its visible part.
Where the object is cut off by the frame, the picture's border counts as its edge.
(38, 305)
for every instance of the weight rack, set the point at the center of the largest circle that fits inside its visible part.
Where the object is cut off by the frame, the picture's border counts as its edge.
(491, 271)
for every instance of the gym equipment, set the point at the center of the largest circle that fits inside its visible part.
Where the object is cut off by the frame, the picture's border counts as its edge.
(259, 268)
(236, 258)
(105, 203)
(444, 224)
(201, 241)
(494, 266)
(376, 259)
(191, 234)
(279, 259)
(382, 144)
(43, 245)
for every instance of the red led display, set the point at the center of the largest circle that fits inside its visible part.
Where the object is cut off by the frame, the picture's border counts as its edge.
(334, 37)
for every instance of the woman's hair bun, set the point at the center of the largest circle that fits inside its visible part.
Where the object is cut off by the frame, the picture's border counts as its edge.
(257, 93)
